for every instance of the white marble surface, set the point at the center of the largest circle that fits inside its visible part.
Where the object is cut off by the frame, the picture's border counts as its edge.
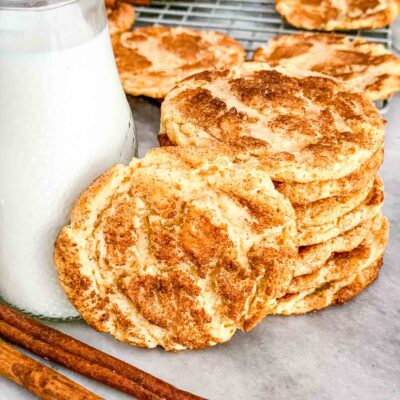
(344, 352)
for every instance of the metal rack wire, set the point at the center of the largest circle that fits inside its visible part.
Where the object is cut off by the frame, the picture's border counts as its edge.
(250, 22)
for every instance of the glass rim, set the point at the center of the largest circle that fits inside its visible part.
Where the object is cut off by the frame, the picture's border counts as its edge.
(33, 5)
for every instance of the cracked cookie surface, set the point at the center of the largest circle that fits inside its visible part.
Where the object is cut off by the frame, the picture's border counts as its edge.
(335, 15)
(302, 126)
(178, 249)
(151, 60)
(364, 66)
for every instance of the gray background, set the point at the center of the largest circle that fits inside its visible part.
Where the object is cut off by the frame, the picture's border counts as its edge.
(344, 352)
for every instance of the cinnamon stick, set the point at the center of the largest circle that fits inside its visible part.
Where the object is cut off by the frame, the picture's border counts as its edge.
(64, 350)
(38, 378)
(74, 362)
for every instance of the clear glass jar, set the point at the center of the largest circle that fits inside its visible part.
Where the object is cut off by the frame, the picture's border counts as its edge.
(64, 119)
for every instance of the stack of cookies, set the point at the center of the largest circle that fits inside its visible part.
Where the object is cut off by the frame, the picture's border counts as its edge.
(321, 143)
(194, 241)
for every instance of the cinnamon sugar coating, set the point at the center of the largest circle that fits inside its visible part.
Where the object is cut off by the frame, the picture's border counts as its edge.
(333, 15)
(151, 60)
(304, 193)
(313, 257)
(364, 66)
(302, 126)
(178, 249)
(342, 277)
(325, 210)
(314, 234)
(120, 18)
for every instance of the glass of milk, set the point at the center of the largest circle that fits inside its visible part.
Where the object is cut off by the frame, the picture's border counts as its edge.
(64, 119)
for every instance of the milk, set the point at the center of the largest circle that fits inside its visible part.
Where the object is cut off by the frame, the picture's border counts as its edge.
(64, 120)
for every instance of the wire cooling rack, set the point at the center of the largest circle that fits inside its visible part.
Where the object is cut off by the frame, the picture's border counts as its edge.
(250, 22)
